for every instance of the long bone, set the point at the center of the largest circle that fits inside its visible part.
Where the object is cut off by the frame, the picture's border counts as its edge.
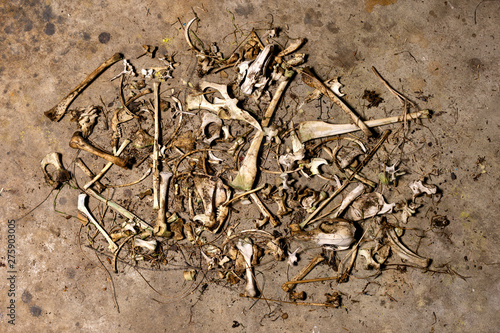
(156, 147)
(79, 142)
(255, 73)
(58, 111)
(311, 80)
(309, 130)
(303, 272)
(107, 166)
(246, 249)
(83, 208)
(98, 185)
(225, 108)
(160, 226)
(263, 209)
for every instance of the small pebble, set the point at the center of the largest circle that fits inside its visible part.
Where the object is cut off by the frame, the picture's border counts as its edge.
(453, 176)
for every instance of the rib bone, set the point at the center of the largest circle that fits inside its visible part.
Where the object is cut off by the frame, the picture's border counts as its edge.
(302, 274)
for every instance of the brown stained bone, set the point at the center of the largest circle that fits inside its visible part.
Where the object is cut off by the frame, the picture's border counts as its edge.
(79, 142)
(98, 185)
(302, 274)
(58, 111)
(311, 80)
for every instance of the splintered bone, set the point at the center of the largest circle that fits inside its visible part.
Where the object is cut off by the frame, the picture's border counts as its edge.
(255, 74)
(82, 198)
(419, 188)
(210, 118)
(160, 227)
(87, 120)
(368, 205)
(148, 245)
(246, 249)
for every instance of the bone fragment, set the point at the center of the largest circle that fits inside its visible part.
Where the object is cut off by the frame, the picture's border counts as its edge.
(246, 249)
(188, 38)
(210, 118)
(404, 252)
(107, 166)
(349, 199)
(418, 188)
(294, 46)
(98, 185)
(311, 80)
(255, 73)
(58, 111)
(148, 245)
(83, 208)
(309, 130)
(79, 142)
(263, 209)
(303, 272)
(60, 175)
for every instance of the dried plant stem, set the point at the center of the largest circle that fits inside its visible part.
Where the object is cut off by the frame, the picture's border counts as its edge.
(289, 302)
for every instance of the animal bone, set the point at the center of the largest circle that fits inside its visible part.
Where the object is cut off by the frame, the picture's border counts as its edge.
(370, 262)
(107, 166)
(210, 118)
(214, 195)
(418, 188)
(149, 245)
(280, 199)
(225, 108)
(292, 257)
(309, 130)
(248, 171)
(127, 69)
(98, 185)
(403, 251)
(349, 199)
(246, 249)
(160, 227)
(120, 116)
(263, 209)
(60, 176)
(79, 142)
(58, 111)
(255, 74)
(298, 149)
(303, 272)
(294, 46)
(338, 233)
(87, 120)
(186, 35)
(83, 208)
(314, 166)
(368, 205)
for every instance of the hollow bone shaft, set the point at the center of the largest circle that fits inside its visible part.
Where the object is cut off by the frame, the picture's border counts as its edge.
(96, 178)
(98, 186)
(302, 274)
(161, 226)
(58, 111)
(79, 142)
(311, 80)
(83, 208)
(156, 148)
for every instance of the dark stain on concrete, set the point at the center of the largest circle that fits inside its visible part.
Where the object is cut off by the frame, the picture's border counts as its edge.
(71, 273)
(367, 27)
(47, 14)
(62, 201)
(312, 17)
(332, 27)
(85, 35)
(49, 29)
(244, 10)
(26, 297)
(36, 311)
(28, 25)
(104, 37)
(475, 64)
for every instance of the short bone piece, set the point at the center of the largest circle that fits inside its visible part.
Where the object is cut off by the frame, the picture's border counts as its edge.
(83, 208)
(161, 226)
(60, 175)
(302, 274)
(246, 249)
(79, 142)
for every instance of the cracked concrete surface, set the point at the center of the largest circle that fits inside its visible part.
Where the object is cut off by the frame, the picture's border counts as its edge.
(442, 54)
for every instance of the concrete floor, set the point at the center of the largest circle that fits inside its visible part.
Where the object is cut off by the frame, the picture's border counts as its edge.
(444, 50)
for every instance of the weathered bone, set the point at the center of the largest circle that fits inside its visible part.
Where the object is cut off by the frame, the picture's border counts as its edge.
(60, 175)
(210, 118)
(309, 130)
(349, 199)
(225, 108)
(79, 142)
(156, 147)
(107, 166)
(98, 185)
(87, 120)
(263, 209)
(404, 252)
(418, 188)
(246, 249)
(58, 111)
(148, 245)
(161, 227)
(255, 74)
(83, 208)
(338, 233)
(213, 194)
(280, 199)
(368, 205)
(303, 272)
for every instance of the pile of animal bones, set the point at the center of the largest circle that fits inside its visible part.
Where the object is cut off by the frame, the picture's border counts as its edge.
(203, 182)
